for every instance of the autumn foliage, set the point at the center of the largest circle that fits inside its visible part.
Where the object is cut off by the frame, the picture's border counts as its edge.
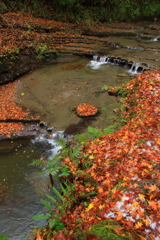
(10, 110)
(85, 110)
(123, 172)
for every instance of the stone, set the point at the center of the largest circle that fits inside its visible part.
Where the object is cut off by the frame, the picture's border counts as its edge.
(86, 110)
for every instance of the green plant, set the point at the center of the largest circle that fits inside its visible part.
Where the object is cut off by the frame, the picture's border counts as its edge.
(121, 92)
(41, 50)
(52, 218)
(119, 120)
(106, 229)
(53, 167)
(96, 132)
(3, 237)
(112, 104)
(106, 87)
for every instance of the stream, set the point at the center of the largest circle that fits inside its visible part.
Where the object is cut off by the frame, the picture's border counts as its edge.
(51, 93)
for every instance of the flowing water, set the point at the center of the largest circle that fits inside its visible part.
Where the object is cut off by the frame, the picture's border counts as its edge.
(52, 92)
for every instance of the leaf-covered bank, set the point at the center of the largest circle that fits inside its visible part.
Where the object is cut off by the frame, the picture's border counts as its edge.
(112, 191)
(29, 42)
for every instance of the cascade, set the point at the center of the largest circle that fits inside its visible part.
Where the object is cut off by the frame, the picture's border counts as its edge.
(155, 39)
(95, 57)
(136, 68)
(102, 59)
(107, 59)
(46, 141)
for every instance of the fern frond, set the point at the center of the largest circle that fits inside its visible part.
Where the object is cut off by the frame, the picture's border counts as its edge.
(36, 162)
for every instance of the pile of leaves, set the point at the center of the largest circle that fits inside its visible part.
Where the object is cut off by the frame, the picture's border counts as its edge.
(85, 110)
(10, 110)
(116, 176)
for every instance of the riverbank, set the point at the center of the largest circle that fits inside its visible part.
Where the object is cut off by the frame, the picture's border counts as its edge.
(113, 182)
(28, 42)
(113, 187)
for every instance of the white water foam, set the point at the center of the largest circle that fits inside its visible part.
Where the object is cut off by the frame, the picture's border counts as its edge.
(155, 39)
(95, 65)
(48, 143)
(134, 69)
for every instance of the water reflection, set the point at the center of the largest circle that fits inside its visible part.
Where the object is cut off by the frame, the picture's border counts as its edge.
(22, 187)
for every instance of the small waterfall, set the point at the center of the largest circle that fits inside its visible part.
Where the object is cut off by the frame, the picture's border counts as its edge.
(107, 60)
(97, 61)
(102, 59)
(48, 143)
(155, 39)
(95, 57)
(136, 68)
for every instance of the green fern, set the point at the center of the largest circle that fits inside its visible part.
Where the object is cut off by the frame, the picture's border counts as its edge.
(36, 162)
(96, 132)
(112, 104)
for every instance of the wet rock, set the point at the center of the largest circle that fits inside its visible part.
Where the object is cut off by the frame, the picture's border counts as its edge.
(86, 110)
(123, 62)
(26, 132)
(50, 129)
(74, 129)
(140, 69)
(43, 124)
(107, 34)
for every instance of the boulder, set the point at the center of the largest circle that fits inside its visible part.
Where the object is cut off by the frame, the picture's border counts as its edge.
(86, 110)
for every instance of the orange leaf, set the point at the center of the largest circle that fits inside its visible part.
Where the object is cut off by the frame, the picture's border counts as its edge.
(119, 216)
(38, 237)
(141, 196)
(153, 205)
(138, 225)
(153, 188)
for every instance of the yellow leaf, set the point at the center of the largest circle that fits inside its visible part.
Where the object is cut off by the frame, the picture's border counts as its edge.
(153, 187)
(136, 205)
(146, 221)
(22, 94)
(138, 225)
(89, 207)
(142, 197)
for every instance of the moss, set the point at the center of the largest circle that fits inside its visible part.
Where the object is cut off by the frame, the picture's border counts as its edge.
(106, 229)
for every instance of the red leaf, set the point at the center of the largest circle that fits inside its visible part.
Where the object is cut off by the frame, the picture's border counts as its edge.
(60, 236)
